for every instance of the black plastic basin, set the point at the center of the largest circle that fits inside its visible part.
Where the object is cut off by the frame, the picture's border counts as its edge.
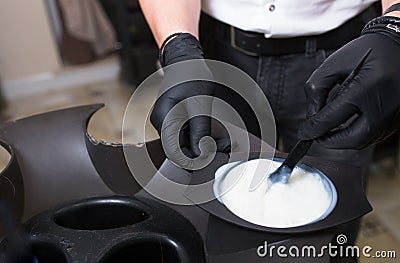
(99, 216)
(147, 250)
(48, 253)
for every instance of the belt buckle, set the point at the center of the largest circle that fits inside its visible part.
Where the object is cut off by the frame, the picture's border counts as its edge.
(233, 44)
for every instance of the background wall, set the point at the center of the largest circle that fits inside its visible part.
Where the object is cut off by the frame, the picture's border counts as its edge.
(27, 45)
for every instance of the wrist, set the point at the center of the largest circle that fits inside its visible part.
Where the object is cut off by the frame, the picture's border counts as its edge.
(167, 39)
(180, 47)
(393, 14)
(392, 10)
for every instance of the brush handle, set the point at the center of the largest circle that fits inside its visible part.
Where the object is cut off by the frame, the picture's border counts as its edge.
(297, 153)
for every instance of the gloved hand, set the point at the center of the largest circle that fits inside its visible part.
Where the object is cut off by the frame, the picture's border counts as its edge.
(368, 108)
(174, 113)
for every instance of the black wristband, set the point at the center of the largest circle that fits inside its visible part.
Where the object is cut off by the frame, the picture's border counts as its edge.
(395, 7)
(390, 22)
(184, 46)
(168, 38)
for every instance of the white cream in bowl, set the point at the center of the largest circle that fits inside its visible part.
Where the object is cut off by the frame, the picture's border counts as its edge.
(304, 200)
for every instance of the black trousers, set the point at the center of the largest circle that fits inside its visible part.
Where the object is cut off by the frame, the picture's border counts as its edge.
(282, 79)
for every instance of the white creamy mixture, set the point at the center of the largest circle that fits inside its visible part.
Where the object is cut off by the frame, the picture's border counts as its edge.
(301, 201)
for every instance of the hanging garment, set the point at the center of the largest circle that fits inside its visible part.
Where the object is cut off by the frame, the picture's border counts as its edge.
(86, 20)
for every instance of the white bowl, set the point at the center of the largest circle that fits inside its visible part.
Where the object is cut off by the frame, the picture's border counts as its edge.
(327, 183)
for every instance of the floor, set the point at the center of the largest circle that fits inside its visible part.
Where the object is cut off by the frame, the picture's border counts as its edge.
(380, 229)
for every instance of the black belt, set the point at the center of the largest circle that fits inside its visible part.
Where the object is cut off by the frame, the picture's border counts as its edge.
(256, 44)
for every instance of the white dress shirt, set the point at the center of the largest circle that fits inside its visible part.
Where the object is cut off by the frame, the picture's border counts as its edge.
(285, 18)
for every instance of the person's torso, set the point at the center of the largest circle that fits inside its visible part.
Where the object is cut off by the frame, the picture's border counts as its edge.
(285, 18)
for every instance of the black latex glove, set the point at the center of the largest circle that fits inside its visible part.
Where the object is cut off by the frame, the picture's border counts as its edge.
(190, 131)
(367, 109)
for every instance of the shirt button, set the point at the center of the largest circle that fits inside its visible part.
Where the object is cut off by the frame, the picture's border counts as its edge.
(272, 8)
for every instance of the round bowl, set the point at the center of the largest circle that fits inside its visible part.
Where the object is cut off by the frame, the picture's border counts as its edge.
(327, 183)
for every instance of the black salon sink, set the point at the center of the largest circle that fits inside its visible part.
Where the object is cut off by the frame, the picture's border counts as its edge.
(40, 178)
(112, 229)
